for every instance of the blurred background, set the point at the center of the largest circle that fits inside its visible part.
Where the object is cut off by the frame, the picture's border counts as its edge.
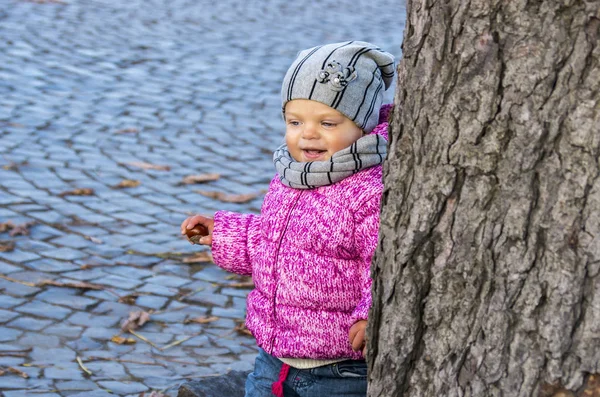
(118, 119)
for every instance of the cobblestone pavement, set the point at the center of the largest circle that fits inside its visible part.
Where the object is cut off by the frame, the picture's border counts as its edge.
(91, 92)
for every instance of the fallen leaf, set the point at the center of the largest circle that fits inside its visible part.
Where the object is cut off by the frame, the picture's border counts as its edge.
(127, 131)
(119, 340)
(241, 329)
(126, 183)
(6, 246)
(6, 226)
(69, 284)
(230, 198)
(191, 179)
(21, 229)
(135, 320)
(129, 299)
(15, 371)
(200, 257)
(86, 191)
(201, 320)
(149, 166)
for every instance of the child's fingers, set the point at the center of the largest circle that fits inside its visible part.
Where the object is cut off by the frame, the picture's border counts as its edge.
(198, 219)
(184, 225)
(206, 240)
(358, 340)
(356, 328)
(353, 331)
(192, 221)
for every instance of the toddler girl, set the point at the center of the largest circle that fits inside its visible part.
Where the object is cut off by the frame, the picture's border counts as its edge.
(309, 251)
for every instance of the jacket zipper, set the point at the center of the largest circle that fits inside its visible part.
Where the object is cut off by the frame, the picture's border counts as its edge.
(275, 265)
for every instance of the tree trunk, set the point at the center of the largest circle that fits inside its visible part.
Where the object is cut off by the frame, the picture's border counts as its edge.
(487, 273)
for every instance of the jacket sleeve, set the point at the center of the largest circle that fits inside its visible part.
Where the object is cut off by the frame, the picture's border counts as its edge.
(235, 240)
(366, 237)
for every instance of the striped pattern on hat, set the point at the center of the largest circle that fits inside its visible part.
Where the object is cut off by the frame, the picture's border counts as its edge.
(349, 77)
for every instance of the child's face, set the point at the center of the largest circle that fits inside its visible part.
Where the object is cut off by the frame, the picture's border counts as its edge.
(315, 131)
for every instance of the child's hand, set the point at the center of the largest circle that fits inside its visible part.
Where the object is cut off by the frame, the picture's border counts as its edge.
(358, 337)
(202, 226)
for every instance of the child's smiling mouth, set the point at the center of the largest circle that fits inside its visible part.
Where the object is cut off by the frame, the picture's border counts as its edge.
(311, 154)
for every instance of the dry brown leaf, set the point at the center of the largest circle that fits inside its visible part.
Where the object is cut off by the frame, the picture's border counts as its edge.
(201, 320)
(119, 340)
(86, 191)
(69, 284)
(241, 329)
(135, 320)
(6, 246)
(149, 166)
(200, 257)
(202, 178)
(6, 226)
(22, 228)
(127, 183)
(14, 371)
(127, 131)
(129, 299)
(230, 198)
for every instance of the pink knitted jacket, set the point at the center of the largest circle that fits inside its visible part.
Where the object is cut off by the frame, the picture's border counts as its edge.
(309, 254)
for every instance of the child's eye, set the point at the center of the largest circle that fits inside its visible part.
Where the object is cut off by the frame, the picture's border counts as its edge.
(294, 123)
(328, 124)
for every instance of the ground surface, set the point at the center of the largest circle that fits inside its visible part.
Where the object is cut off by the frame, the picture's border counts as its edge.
(93, 93)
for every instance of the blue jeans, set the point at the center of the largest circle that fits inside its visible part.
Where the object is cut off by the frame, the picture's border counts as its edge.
(344, 379)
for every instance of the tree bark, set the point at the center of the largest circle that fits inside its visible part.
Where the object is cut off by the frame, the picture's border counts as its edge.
(486, 278)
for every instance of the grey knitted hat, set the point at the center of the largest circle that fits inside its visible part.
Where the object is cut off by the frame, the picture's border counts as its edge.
(349, 77)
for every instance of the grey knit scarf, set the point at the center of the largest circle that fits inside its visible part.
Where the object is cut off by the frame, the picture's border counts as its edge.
(368, 151)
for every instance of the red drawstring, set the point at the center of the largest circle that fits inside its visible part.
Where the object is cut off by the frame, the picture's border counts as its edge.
(277, 387)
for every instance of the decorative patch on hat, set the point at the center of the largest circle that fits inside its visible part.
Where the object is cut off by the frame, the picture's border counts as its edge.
(336, 75)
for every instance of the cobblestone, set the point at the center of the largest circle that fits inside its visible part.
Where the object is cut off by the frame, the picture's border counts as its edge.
(89, 89)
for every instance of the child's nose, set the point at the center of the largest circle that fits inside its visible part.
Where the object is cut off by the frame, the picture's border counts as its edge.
(310, 131)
